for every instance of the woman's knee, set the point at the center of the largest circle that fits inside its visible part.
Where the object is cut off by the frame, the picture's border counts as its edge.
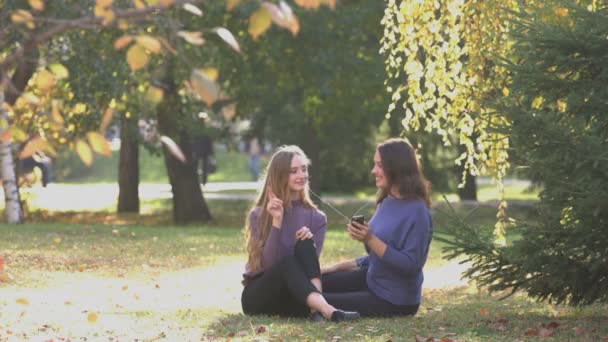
(305, 247)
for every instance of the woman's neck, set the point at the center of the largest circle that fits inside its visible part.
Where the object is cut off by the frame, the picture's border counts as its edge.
(394, 192)
(295, 196)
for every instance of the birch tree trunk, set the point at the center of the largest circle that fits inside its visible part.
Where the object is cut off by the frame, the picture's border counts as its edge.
(12, 208)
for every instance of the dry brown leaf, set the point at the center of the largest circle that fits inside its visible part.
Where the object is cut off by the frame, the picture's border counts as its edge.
(123, 41)
(544, 332)
(531, 332)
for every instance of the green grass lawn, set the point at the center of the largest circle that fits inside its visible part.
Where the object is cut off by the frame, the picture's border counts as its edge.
(102, 276)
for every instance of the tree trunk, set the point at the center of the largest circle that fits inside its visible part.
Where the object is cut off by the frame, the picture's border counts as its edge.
(469, 192)
(22, 74)
(12, 209)
(188, 202)
(128, 169)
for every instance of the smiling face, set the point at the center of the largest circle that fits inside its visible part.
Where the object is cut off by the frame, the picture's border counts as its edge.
(378, 172)
(298, 174)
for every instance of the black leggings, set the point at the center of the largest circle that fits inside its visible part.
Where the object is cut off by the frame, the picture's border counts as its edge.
(348, 290)
(282, 290)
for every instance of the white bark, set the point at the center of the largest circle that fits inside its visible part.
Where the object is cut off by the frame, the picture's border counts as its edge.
(12, 209)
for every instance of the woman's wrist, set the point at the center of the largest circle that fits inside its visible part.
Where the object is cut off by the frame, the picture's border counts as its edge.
(276, 222)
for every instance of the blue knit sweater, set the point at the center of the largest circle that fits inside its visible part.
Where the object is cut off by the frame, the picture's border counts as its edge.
(406, 228)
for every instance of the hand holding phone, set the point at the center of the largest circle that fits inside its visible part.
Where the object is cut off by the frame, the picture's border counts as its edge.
(358, 218)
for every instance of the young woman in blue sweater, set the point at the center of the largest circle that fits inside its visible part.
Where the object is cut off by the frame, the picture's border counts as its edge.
(285, 233)
(387, 281)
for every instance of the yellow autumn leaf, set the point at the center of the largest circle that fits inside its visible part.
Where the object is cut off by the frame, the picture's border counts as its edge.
(204, 87)
(17, 133)
(45, 80)
(122, 41)
(38, 5)
(57, 240)
(231, 4)
(212, 73)
(103, 3)
(294, 25)
(329, 3)
(22, 301)
(538, 102)
(108, 17)
(122, 24)
(56, 114)
(259, 22)
(99, 143)
(35, 144)
(21, 16)
(84, 152)
(105, 120)
(31, 98)
(59, 71)
(194, 38)
(92, 317)
(137, 57)
(154, 95)
(562, 105)
(139, 4)
(150, 43)
(308, 4)
(561, 12)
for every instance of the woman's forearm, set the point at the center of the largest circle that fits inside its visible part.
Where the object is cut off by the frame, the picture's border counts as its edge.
(341, 266)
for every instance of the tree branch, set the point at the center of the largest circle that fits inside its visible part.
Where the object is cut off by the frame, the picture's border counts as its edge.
(62, 26)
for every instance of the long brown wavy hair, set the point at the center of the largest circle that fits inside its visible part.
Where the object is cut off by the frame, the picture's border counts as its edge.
(276, 177)
(402, 168)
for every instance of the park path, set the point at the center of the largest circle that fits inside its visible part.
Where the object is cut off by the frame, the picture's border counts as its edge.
(70, 195)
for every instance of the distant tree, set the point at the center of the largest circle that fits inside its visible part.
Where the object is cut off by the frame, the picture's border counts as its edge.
(29, 27)
(321, 90)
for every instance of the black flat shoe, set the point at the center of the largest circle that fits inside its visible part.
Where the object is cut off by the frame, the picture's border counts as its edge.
(340, 316)
(316, 317)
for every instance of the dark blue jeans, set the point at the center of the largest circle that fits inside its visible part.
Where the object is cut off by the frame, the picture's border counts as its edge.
(348, 290)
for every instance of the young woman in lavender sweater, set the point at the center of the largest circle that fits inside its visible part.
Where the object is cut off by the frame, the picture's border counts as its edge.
(387, 281)
(285, 233)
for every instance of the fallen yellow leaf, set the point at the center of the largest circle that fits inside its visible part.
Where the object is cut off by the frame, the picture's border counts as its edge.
(92, 317)
(22, 301)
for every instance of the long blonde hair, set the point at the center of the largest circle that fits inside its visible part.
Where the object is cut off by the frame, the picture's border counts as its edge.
(276, 177)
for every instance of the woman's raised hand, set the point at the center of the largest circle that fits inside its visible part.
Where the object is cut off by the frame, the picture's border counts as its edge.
(303, 234)
(359, 231)
(275, 208)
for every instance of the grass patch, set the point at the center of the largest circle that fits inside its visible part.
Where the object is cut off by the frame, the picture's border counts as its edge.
(150, 280)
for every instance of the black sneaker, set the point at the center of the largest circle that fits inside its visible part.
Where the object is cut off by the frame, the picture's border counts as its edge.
(316, 317)
(340, 316)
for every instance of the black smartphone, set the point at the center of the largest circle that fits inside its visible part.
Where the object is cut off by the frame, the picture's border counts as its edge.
(358, 219)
